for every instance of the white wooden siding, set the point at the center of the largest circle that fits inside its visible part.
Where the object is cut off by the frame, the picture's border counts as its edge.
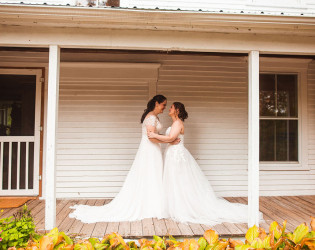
(288, 7)
(311, 123)
(99, 128)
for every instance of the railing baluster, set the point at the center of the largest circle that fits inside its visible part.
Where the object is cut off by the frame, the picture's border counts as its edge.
(18, 165)
(10, 165)
(26, 165)
(1, 164)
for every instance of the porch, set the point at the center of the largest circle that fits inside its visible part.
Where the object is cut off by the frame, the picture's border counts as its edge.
(294, 209)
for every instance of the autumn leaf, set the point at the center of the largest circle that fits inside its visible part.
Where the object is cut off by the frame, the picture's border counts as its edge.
(234, 243)
(313, 223)
(211, 236)
(299, 233)
(276, 229)
(46, 243)
(251, 234)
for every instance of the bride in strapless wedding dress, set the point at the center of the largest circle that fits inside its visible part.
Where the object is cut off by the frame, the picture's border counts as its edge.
(141, 195)
(188, 195)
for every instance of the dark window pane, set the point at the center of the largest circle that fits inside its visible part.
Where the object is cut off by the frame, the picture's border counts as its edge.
(267, 140)
(278, 140)
(287, 95)
(267, 100)
(17, 105)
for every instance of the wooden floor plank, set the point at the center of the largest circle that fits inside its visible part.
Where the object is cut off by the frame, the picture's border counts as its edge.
(67, 222)
(88, 228)
(112, 227)
(300, 203)
(289, 215)
(100, 227)
(185, 230)
(172, 228)
(275, 215)
(299, 211)
(197, 228)
(148, 227)
(294, 209)
(60, 204)
(124, 229)
(160, 227)
(136, 229)
(77, 225)
(39, 213)
(266, 217)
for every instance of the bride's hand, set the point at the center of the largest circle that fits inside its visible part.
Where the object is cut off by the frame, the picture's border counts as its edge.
(151, 135)
(175, 142)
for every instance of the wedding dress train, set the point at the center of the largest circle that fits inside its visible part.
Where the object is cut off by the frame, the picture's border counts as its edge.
(141, 195)
(189, 196)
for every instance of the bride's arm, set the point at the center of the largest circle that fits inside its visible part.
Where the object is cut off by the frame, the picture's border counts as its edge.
(175, 131)
(152, 129)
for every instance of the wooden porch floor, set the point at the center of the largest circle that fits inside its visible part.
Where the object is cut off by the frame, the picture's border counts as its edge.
(294, 209)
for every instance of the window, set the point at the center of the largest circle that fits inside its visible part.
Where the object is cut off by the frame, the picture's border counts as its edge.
(279, 118)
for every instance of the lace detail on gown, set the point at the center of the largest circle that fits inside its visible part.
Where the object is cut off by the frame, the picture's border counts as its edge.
(141, 195)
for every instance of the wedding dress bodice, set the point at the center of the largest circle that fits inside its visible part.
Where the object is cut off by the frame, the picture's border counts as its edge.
(180, 136)
(151, 120)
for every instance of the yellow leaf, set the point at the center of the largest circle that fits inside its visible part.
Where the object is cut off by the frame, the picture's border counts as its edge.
(221, 245)
(251, 234)
(257, 243)
(211, 236)
(299, 233)
(276, 229)
(266, 242)
(242, 247)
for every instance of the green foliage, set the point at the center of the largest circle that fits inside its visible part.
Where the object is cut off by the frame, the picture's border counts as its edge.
(15, 231)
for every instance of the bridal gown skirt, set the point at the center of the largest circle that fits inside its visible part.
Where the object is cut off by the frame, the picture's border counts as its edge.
(141, 195)
(189, 196)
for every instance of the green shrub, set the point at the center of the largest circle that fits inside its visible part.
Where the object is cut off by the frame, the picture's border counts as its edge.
(17, 230)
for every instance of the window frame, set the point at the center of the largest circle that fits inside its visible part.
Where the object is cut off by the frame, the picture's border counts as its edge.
(301, 72)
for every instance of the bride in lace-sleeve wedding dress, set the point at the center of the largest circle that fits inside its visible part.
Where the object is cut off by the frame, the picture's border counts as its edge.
(188, 195)
(142, 194)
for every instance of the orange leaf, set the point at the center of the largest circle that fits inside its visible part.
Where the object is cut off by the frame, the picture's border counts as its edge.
(211, 236)
(46, 243)
(234, 243)
(313, 223)
(262, 233)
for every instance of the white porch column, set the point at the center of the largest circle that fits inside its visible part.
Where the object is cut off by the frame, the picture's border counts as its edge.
(253, 138)
(52, 122)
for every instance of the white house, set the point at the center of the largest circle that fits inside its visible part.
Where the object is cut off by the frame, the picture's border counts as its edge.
(74, 82)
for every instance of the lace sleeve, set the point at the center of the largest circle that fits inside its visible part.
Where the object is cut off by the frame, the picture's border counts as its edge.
(150, 121)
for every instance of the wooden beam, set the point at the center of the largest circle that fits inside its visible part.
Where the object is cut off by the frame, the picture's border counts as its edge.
(253, 138)
(52, 121)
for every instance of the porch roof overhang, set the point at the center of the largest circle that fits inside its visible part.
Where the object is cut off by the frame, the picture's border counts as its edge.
(157, 20)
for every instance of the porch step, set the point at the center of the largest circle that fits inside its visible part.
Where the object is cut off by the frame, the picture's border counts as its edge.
(10, 202)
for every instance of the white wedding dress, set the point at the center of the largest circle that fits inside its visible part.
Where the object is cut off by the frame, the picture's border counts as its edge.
(142, 193)
(189, 196)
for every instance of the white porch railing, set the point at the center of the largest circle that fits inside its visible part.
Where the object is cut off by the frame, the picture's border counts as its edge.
(17, 165)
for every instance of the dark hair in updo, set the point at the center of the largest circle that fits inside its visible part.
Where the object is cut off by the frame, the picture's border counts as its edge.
(182, 113)
(151, 105)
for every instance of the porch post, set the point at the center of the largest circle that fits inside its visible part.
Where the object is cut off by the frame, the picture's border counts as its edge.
(253, 138)
(52, 121)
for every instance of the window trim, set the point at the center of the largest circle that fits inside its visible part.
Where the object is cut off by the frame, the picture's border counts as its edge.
(301, 73)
